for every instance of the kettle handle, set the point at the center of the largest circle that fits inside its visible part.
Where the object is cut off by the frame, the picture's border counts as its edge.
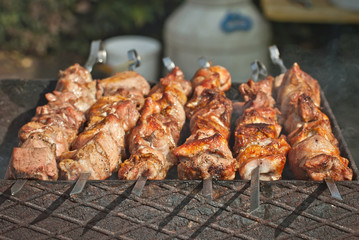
(236, 22)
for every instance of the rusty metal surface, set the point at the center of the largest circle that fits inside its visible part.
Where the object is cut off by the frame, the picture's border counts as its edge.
(177, 210)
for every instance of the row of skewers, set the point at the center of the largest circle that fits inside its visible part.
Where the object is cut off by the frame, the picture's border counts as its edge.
(88, 126)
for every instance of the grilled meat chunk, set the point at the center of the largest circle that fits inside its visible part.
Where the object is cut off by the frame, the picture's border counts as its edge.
(78, 81)
(152, 141)
(127, 80)
(257, 135)
(54, 127)
(316, 158)
(125, 109)
(99, 151)
(295, 83)
(205, 77)
(205, 153)
(314, 154)
(41, 167)
(100, 148)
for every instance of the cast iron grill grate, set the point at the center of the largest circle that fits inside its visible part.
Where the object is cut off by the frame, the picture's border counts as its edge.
(176, 210)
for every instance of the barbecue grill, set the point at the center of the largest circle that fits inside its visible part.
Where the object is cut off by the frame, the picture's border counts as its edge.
(168, 209)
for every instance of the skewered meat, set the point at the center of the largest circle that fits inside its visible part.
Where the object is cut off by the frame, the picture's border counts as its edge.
(204, 77)
(257, 134)
(296, 82)
(100, 148)
(206, 153)
(314, 154)
(77, 81)
(152, 141)
(54, 127)
(127, 80)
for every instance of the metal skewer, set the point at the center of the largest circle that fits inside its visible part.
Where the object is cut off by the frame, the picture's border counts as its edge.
(259, 72)
(98, 55)
(141, 181)
(274, 53)
(203, 63)
(168, 63)
(80, 183)
(134, 61)
(255, 190)
(17, 186)
(140, 184)
(207, 190)
(333, 189)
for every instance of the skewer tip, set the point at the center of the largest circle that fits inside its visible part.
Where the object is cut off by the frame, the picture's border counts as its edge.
(168, 63)
(80, 183)
(255, 192)
(207, 190)
(140, 184)
(17, 186)
(333, 189)
(203, 62)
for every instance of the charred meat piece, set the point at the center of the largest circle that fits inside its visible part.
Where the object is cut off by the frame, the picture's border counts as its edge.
(206, 153)
(153, 140)
(257, 135)
(314, 154)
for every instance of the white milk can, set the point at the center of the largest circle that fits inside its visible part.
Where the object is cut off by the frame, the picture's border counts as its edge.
(231, 33)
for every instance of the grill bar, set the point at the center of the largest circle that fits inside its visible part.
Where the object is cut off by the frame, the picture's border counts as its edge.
(173, 209)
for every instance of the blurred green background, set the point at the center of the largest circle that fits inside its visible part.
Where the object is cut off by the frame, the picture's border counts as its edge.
(54, 34)
(40, 27)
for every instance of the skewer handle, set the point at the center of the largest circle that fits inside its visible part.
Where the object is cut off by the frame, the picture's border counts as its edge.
(259, 70)
(274, 54)
(134, 60)
(97, 55)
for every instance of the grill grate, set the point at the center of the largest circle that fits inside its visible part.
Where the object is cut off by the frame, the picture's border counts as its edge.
(176, 210)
